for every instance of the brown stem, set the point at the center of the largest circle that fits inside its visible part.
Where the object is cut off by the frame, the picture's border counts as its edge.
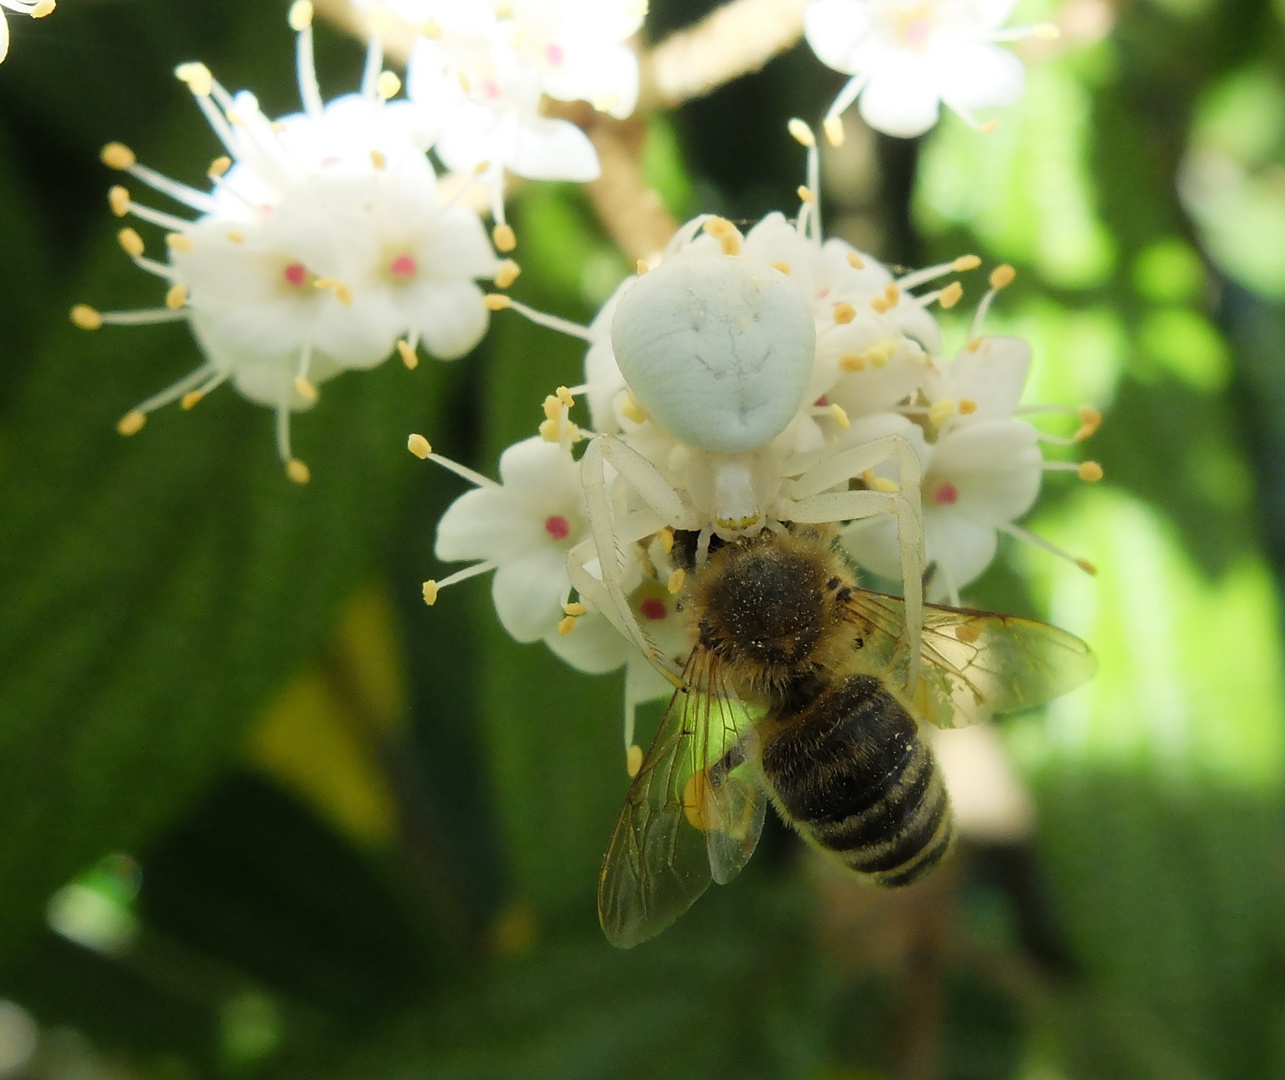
(631, 211)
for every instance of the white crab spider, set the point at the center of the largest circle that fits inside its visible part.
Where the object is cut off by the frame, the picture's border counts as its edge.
(719, 352)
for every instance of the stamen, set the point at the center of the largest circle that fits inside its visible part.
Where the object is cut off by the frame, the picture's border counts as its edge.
(928, 273)
(132, 422)
(1090, 421)
(844, 313)
(419, 446)
(801, 133)
(176, 297)
(666, 540)
(575, 608)
(1039, 542)
(118, 200)
(388, 85)
(505, 239)
(940, 411)
(507, 274)
(566, 625)
(632, 409)
(298, 471)
(1001, 277)
(805, 194)
(500, 302)
(967, 406)
(408, 354)
(852, 362)
(633, 760)
(117, 156)
(379, 160)
(86, 317)
(676, 582)
(783, 267)
(131, 243)
(840, 416)
(856, 261)
(833, 127)
(178, 241)
(565, 396)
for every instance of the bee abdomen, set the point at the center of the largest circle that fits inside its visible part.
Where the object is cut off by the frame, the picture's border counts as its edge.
(851, 773)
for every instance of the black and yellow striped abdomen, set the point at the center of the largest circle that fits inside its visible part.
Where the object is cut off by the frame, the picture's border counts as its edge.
(849, 770)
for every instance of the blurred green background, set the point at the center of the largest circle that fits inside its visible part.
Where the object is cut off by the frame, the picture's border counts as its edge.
(263, 814)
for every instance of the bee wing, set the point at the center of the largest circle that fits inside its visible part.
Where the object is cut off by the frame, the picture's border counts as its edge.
(975, 663)
(692, 815)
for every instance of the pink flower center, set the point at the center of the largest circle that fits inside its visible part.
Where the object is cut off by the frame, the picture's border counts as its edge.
(327, 162)
(822, 402)
(404, 266)
(653, 609)
(491, 90)
(296, 274)
(557, 526)
(917, 32)
(946, 494)
(554, 54)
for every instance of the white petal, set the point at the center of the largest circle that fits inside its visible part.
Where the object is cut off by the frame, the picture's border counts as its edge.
(834, 29)
(487, 523)
(961, 547)
(594, 646)
(547, 149)
(530, 592)
(449, 316)
(4, 37)
(900, 101)
(979, 75)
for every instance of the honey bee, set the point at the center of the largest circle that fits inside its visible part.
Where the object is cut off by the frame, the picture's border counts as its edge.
(795, 692)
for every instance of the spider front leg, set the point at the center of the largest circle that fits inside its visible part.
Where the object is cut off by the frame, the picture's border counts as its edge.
(812, 500)
(609, 534)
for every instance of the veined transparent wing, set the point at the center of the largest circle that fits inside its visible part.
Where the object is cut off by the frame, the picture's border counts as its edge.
(974, 663)
(693, 814)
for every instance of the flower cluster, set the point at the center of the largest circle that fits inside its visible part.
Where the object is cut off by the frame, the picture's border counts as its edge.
(321, 246)
(480, 70)
(906, 58)
(746, 381)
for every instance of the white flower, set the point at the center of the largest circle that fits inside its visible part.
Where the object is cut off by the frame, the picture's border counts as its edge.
(37, 9)
(322, 246)
(907, 57)
(522, 528)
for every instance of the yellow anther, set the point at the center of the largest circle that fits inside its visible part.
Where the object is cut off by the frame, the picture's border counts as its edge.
(235, 238)
(805, 193)
(633, 760)
(606, 102)
(1090, 471)
(731, 243)
(840, 416)
(496, 302)
(45, 7)
(940, 411)
(878, 483)
(1090, 421)
(118, 200)
(131, 242)
(567, 625)
(666, 540)
(507, 273)
(298, 471)
(430, 592)
(718, 227)
(784, 267)
(988, 127)
(85, 317)
(1002, 276)
(198, 78)
(676, 582)
(388, 85)
(966, 262)
(1087, 567)
(844, 313)
(801, 133)
(852, 362)
(117, 156)
(177, 241)
(343, 294)
(132, 422)
(378, 160)
(974, 345)
(419, 446)
(565, 396)
(950, 295)
(967, 406)
(880, 304)
(176, 297)
(304, 388)
(880, 354)
(574, 609)
(833, 128)
(191, 399)
(631, 409)
(1045, 32)
(431, 30)
(550, 430)
(856, 261)
(892, 294)
(552, 408)
(409, 356)
(218, 167)
(505, 239)
(463, 80)
(641, 267)
(300, 17)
